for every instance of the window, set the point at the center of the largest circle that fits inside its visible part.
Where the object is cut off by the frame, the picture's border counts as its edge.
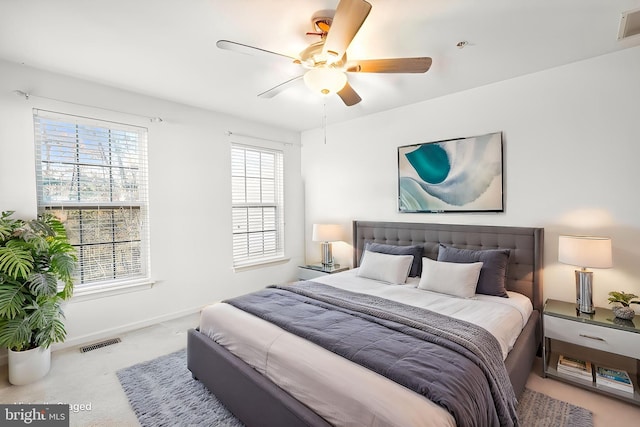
(257, 204)
(92, 174)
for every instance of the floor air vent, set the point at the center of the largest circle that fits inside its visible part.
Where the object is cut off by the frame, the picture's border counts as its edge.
(99, 345)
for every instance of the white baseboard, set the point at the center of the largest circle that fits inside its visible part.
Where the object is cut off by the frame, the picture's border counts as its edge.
(109, 333)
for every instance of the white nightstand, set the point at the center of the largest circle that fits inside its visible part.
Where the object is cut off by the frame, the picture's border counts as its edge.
(312, 271)
(599, 338)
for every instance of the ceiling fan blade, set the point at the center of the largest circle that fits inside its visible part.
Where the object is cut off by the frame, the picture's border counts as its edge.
(391, 65)
(349, 96)
(349, 17)
(280, 88)
(251, 50)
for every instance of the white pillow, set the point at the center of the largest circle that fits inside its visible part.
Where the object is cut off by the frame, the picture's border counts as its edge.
(384, 267)
(458, 279)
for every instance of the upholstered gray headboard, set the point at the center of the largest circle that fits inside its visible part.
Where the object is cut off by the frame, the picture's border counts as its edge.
(524, 274)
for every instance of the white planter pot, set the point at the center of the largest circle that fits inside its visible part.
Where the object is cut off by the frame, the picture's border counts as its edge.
(29, 366)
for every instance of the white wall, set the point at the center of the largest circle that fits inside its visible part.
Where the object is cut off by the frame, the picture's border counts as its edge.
(571, 145)
(189, 192)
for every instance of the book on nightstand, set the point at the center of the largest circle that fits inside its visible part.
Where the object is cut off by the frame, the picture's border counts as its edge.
(615, 379)
(575, 368)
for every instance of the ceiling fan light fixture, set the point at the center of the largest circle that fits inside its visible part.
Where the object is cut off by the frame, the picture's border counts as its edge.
(325, 61)
(325, 81)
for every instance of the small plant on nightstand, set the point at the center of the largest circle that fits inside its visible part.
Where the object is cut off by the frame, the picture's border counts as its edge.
(624, 311)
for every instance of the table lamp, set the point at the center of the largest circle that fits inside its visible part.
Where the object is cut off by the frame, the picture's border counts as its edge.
(585, 251)
(326, 233)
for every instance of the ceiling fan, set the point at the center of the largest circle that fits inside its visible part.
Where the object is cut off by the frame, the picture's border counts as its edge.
(326, 60)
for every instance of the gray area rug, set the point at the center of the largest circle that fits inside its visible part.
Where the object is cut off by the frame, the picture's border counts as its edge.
(162, 393)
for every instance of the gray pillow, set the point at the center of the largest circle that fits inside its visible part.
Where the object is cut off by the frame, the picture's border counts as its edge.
(493, 276)
(415, 250)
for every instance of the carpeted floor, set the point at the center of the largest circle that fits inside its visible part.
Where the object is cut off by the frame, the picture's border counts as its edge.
(162, 393)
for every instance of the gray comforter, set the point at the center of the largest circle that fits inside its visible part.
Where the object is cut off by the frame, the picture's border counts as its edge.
(451, 362)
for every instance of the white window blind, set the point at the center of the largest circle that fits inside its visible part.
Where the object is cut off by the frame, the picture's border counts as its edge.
(257, 176)
(92, 174)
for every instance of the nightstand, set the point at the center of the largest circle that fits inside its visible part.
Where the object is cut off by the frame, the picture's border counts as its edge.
(312, 271)
(599, 338)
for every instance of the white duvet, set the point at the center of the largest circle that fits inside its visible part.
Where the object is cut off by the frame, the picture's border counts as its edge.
(342, 392)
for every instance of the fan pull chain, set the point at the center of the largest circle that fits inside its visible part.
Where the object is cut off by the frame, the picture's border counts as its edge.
(324, 119)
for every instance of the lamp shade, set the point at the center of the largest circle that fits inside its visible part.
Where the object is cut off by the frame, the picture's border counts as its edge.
(585, 251)
(326, 232)
(325, 81)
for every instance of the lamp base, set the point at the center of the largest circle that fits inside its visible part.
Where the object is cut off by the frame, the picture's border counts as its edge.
(327, 256)
(584, 291)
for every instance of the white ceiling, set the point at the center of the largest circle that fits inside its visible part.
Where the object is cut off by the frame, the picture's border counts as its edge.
(167, 48)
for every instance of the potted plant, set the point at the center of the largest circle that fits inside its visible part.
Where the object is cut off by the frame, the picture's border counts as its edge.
(37, 263)
(624, 311)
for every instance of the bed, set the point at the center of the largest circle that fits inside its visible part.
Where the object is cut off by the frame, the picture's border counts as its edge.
(256, 398)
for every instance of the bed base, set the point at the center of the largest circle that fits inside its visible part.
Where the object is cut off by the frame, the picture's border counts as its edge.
(520, 359)
(257, 401)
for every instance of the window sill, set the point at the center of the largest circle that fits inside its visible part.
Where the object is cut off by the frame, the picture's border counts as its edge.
(260, 264)
(111, 289)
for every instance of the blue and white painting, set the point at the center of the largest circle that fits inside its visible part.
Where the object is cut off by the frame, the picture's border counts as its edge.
(455, 175)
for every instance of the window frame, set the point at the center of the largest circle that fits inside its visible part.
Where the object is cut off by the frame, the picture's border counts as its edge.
(247, 260)
(129, 278)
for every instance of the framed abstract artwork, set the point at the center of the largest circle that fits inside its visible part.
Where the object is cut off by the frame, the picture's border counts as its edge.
(453, 175)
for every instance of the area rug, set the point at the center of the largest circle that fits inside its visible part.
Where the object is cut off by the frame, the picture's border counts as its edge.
(162, 393)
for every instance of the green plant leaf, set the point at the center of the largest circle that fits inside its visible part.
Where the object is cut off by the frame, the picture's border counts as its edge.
(56, 226)
(67, 291)
(44, 283)
(15, 334)
(12, 300)
(7, 225)
(16, 260)
(5, 231)
(64, 264)
(622, 298)
(42, 315)
(59, 246)
(47, 321)
(39, 227)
